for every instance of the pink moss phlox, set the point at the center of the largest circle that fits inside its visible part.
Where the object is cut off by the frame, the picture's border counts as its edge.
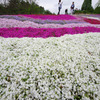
(92, 21)
(44, 32)
(52, 17)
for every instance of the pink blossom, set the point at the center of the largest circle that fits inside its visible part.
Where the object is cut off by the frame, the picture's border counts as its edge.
(52, 17)
(44, 32)
(92, 21)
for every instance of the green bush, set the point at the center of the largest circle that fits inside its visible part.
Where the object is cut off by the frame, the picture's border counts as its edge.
(97, 10)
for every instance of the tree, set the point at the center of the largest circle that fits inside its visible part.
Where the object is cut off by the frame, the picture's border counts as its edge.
(5, 3)
(13, 6)
(14, 3)
(87, 6)
(47, 12)
(97, 9)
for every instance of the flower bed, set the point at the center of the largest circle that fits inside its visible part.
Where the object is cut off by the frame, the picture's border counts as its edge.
(4, 22)
(50, 69)
(52, 17)
(63, 66)
(40, 21)
(44, 32)
(91, 15)
(92, 21)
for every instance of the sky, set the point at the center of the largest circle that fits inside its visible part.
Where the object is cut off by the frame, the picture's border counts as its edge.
(52, 5)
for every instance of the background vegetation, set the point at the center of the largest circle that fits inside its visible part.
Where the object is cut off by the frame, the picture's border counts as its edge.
(88, 9)
(22, 7)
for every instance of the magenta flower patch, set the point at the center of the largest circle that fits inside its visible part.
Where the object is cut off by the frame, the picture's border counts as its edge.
(51, 17)
(92, 21)
(44, 32)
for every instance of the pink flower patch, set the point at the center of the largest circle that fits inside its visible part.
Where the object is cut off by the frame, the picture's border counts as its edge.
(44, 32)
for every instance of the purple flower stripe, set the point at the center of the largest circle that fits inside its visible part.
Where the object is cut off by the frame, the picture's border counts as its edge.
(8, 23)
(46, 21)
(91, 15)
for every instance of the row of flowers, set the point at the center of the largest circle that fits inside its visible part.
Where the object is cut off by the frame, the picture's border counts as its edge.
(92, 21)
(40, 21)
(7, 23)
(51, 17)
(91, 15)
(50, 69)
(44, 32)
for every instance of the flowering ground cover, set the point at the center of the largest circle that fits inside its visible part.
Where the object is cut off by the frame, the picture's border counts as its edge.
(54, 68)
(49, 59)
(92, 21)
(40, 21)
(7, 23)
(44, 32)
(90, 18)
(52, 17)
(91, 15)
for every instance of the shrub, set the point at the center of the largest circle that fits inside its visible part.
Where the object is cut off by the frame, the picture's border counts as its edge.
(97, 10)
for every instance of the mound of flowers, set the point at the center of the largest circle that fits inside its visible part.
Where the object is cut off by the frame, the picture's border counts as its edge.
(49, 57)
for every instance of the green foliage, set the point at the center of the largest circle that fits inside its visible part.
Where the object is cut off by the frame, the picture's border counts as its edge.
(22, 7)
(82, 12)
(1, 8)
(47, 12)
(97, 10)
(87, 6)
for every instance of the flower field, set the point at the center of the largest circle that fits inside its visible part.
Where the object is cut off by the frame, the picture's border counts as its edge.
(49, 57)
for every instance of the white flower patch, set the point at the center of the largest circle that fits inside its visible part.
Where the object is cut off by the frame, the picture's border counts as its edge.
(61, 68)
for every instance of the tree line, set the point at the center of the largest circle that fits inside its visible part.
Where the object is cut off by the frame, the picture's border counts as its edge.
(22, 7)
(87, 7)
